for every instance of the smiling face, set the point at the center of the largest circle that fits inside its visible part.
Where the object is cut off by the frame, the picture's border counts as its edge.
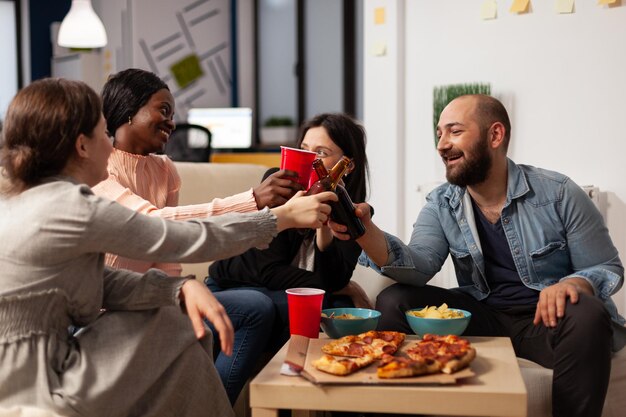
(317, 140)
(463, 144)
(151, 126)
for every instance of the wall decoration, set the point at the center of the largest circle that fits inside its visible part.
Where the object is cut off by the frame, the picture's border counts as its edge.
(188, 44)
(187, 70)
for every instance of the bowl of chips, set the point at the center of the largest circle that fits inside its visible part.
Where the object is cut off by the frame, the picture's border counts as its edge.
(339, 322)
(438, 320)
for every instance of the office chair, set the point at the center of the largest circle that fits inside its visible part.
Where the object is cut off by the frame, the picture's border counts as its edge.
(189, 143)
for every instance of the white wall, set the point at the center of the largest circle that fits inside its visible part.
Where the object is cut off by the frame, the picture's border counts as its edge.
(562, 78)
(383, 111)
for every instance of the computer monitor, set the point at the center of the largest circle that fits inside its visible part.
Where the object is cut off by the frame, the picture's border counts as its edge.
(231, 128)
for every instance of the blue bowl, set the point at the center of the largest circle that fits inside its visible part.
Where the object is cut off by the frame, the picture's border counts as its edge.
(336, 327)
(422, 326)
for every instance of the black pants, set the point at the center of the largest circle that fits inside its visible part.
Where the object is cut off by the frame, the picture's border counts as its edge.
(578, 349)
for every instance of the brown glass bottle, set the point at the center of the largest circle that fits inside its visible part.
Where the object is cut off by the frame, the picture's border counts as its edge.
(328, 182)
(343, 213)
(343, 209)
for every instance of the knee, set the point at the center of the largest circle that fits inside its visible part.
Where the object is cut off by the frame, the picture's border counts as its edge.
(260, 305)
(389, 298)
(588, 314)
(252, 306)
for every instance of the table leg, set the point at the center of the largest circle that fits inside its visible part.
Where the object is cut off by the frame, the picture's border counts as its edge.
(264, 412)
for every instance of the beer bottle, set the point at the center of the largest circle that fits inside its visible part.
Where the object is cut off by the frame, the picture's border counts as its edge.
(328, 182)
(343, 213)
(343, 209)
(320, 171)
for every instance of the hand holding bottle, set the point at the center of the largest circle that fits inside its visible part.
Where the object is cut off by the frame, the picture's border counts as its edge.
(341, 231)
(304, 211)
(343, 208)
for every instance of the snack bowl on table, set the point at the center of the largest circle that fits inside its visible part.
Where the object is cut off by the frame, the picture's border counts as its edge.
(439, 326)
(339, 322)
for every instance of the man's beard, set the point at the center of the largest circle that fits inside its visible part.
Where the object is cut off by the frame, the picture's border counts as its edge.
(474, 169)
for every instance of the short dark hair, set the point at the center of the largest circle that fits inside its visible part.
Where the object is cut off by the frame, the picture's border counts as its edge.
(490, 110)
(41, 126)
(349, 135)
(125, 93)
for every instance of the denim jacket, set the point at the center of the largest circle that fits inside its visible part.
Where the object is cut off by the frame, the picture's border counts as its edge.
(553, 229)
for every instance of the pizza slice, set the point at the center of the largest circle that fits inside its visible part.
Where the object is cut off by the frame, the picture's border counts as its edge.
(456, 360)
(400, 367)
(383, 342)
(341, 366)
(451, 352)
(349, 346)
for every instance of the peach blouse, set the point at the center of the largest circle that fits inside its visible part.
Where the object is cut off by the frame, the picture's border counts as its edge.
(150, 185)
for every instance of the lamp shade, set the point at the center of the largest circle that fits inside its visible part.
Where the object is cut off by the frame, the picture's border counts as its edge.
(82, 28)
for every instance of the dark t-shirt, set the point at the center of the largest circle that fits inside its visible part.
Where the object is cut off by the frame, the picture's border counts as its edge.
(506, 286)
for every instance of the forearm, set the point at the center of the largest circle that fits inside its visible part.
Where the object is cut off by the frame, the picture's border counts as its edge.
(239, 203)
(323, 238)
(374, 244)
(126, 290)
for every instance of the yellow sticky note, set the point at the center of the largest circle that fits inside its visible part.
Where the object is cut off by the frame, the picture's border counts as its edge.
(519, 6)
(379, 16)
(379, 48)
(564, 6)
(489, 10)
(606, 2)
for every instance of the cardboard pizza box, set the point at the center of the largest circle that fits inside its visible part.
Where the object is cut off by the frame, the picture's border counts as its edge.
(303, 351)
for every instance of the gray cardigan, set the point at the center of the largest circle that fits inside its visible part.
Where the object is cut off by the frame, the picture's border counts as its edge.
(141, 357)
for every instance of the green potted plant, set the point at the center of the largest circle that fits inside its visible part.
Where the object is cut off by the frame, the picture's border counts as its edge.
(442, 95)
(278, 130)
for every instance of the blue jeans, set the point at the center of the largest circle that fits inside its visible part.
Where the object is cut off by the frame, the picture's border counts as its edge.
(252, 315)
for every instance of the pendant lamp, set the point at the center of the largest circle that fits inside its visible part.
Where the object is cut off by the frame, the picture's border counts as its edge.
(82, 28)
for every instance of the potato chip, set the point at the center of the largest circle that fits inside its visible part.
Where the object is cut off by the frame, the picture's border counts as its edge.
(441, 312)
(344, 316)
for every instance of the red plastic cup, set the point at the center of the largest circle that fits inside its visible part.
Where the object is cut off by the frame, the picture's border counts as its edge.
(305, 311)
(298, 160)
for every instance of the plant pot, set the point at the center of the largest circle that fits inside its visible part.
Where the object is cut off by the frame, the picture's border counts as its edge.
(280, 135)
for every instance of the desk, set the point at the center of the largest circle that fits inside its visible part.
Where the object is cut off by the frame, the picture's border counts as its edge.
(496, 390)
(269, 159)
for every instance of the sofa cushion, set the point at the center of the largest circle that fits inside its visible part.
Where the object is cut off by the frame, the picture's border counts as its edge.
(201, 182)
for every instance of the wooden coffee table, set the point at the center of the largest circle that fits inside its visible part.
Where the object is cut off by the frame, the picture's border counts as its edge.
(497, 389)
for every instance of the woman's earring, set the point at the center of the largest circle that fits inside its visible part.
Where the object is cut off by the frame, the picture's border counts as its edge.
(130, 122)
